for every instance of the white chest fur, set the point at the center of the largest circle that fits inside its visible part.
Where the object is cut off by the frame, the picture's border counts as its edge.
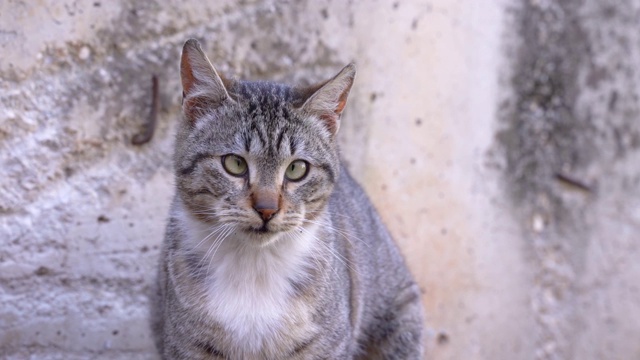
(249, 287)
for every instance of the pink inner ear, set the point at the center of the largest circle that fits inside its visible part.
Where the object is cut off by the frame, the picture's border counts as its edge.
(341, 105)
(186, 73)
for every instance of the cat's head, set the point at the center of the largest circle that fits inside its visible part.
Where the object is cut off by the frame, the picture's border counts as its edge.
(261, 157)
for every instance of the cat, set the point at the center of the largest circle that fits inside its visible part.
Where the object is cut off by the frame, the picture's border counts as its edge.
(272, 250)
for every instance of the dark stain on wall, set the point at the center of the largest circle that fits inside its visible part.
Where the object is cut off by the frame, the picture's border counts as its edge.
(569, 127)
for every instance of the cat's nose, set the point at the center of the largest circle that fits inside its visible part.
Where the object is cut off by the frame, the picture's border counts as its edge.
(266, 205)
(267, 213)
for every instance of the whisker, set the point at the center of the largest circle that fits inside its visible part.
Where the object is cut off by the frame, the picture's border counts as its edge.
(224, 228)
(222, 237)
(314, 212)
(345, 234)
(214, 229)
(338, 256)
(296, 236)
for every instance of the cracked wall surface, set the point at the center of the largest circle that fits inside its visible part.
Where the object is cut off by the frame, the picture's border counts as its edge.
(498, 139)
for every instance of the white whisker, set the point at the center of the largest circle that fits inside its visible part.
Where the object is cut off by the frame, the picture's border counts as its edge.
(222, 237)
(346, 235)
(337, 255)
(220, 230)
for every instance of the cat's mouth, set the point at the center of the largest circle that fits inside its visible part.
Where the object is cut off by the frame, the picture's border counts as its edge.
(263, 235)
(264, 229)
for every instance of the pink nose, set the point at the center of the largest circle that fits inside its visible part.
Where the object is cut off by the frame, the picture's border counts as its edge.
(266, 213)
(266, 204)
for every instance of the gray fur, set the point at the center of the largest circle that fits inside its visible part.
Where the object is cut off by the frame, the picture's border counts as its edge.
(348, 294)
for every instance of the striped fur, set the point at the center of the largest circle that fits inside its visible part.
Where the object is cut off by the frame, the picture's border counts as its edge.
(320, 279)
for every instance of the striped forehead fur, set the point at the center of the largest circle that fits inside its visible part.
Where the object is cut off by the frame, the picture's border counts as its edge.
(262, 119)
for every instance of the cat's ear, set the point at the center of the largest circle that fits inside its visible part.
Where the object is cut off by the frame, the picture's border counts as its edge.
(202, 87)
(329, 99)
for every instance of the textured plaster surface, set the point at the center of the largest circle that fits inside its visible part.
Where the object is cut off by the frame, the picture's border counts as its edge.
(499, 140)
(572, 141)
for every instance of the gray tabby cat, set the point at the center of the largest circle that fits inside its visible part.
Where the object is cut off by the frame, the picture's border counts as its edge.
(272, 250)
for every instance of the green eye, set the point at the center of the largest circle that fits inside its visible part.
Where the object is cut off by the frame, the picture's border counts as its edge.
(296, 170)
(234, 164)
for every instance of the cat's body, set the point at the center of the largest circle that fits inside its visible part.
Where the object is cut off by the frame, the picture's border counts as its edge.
(261, 260)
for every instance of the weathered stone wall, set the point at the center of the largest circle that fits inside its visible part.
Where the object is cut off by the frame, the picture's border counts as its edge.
(499, 140)
(571, 136)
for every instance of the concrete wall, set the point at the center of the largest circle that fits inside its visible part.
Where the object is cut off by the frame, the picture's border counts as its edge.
(499, 140)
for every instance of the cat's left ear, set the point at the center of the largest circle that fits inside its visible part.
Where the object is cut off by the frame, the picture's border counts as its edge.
(330, 98)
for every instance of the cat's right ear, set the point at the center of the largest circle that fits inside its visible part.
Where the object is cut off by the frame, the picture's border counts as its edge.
(202, 87)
